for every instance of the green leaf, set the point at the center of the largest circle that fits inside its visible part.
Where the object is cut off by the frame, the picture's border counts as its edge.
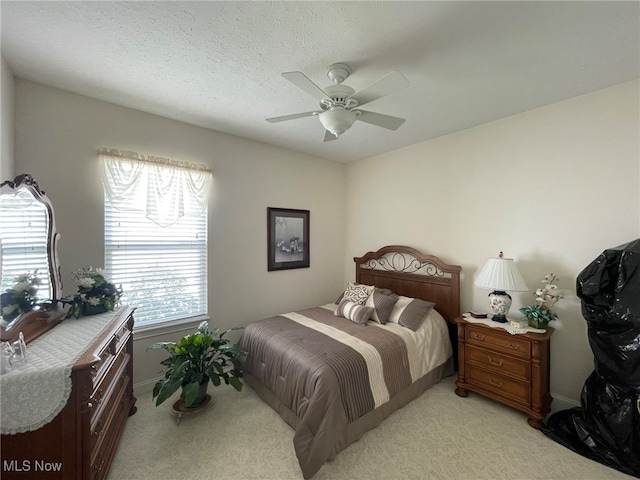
(236, 383)
(168, 389)
(189, 393)
(180, 369)
(156, 388)
(215, 379)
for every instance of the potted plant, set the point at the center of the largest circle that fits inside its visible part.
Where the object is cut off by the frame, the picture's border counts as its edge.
(95, 293)
(540, 314)
(194, 361)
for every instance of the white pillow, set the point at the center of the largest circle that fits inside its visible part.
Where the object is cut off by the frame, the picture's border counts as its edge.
(357, 293)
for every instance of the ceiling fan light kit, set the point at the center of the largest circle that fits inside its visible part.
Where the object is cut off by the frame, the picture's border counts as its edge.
(338, 120)
(339, 103)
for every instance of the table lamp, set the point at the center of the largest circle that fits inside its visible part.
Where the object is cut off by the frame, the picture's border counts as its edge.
(500, 274)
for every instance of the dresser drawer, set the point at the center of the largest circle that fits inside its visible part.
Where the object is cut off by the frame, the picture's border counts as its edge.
(498, 384)
(504, 342)
(501, 364)
(100, 369)
(116, 342)
(108, 386)
(121, 337)
(102, 395)
(104, 445)
(102, 426)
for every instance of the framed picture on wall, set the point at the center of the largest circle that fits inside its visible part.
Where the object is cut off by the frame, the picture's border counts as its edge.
(287, 238)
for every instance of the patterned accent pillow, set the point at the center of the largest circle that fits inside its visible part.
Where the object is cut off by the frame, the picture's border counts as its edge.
(382, 302)
(352, 311)
(357, 293)
(410, 312)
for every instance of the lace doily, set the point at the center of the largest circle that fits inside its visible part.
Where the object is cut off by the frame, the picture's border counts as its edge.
(34, 393)
(505, 326)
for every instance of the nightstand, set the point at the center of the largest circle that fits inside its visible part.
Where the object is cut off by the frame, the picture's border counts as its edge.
(511, 369)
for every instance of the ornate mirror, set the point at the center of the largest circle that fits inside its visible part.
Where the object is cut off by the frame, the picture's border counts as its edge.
(30, 279)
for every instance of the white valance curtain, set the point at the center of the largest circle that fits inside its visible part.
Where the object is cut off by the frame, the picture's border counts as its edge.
(165, 189)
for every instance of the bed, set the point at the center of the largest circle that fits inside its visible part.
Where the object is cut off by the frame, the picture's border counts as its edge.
(333, 379)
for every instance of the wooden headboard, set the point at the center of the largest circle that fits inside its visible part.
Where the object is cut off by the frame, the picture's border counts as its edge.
(406, 271)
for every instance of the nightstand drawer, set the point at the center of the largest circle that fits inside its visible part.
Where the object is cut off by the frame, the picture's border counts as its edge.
(506, 343)
(499, 363)
(498, 384)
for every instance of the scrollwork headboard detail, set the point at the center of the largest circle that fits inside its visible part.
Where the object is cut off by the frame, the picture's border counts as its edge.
(406, 271)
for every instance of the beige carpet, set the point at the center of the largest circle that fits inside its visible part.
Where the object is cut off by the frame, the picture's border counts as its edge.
(438, 436)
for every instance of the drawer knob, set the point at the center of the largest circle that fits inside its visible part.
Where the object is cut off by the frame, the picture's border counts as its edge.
(98, 398)
(98, 466)
(94, 370)
(98, 430)
(515, 346)
(478, 337)
(493, 362)
(494, 383)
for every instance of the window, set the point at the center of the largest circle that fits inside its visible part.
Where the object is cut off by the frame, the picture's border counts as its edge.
(155, 220)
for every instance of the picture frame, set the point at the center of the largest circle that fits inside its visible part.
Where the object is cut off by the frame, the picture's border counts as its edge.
(287, 238)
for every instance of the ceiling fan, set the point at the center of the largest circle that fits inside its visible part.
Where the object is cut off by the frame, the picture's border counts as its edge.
(340, 104)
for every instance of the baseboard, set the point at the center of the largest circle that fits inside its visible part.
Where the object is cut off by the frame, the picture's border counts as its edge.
(144, 387)
(562, 403)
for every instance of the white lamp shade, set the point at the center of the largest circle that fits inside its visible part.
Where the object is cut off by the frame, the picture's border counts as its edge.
(501, 274)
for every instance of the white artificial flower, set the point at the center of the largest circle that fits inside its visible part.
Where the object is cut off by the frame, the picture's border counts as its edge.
(85, 282)
(540, 292)
(93, 301)
(22, 286)
(548, 278)
(102, 272)
(551, 286)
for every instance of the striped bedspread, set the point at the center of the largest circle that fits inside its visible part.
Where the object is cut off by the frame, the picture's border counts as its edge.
(330, 371)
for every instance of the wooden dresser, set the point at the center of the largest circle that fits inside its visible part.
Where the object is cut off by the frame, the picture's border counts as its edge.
(80, 442)
(511, 369)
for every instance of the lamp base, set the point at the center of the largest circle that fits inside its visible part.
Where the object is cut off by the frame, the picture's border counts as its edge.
(499, 303)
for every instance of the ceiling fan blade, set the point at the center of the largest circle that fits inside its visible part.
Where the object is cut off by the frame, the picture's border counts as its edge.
(301, 81)
(328, 136)
(388, 84)
(293, 116)
(380, 120)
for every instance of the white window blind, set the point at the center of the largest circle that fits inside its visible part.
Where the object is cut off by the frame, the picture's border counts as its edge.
(23, 243)
(161, 261)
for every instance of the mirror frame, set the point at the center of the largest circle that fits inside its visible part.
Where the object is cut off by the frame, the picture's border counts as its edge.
(36, 322)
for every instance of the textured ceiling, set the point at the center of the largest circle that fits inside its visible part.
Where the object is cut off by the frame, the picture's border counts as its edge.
(218, 64)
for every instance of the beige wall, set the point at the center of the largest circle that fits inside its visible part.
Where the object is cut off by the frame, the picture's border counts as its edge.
(551, 187)
(57, 134)
(7, 104)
